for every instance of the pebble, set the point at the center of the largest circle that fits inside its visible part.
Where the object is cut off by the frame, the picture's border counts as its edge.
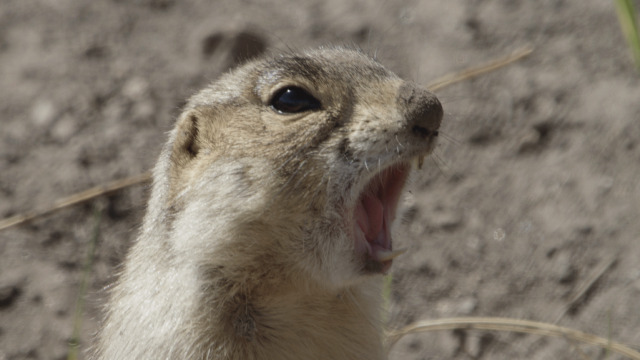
(448, 220)
(458, 307)
(136, 89)
(64, 129)
(43, 113)
(467, 306)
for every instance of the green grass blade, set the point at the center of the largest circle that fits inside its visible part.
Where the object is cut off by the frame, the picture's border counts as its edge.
(627, 16)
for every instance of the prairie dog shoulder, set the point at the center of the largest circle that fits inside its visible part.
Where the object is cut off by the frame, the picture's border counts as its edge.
(270, 216)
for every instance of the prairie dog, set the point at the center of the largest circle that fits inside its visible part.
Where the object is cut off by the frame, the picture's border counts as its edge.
(269, 220)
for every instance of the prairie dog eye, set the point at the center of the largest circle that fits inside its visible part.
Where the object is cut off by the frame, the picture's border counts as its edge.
(292, 100)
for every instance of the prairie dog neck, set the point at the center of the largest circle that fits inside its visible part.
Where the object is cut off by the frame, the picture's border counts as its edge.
(269, 221)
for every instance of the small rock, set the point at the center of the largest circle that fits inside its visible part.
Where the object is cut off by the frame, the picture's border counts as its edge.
(64, 129)
(499, 234)
(463, 306)
(43, 113)
(467, 306)
(135, 89)
(446, 220)
(444, 308)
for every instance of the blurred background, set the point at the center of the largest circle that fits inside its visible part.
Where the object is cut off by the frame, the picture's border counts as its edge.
(529, 208)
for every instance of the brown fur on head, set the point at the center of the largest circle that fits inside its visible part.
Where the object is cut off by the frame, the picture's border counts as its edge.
(266, 226)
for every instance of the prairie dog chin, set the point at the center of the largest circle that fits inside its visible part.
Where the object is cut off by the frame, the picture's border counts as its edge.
(269, 221)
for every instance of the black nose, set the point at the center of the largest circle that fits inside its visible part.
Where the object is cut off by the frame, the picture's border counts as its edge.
(421, 109)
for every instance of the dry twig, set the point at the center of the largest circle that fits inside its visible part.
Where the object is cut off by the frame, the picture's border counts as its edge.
(75, 199)
(472, 72)
(512, 325)
(582, 291)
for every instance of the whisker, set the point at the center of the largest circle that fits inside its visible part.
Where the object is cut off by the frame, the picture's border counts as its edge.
(440, 163)
(398, 141)
(435, 162)
(450, 138)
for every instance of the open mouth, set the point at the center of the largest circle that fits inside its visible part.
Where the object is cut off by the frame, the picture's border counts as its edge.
(374, 214)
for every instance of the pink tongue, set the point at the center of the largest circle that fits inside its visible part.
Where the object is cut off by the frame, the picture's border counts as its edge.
(369, 216)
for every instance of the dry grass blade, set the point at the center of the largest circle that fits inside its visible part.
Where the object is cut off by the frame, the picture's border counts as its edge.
(513, 325)
(472, 72)
(581, 291)
(76, 199)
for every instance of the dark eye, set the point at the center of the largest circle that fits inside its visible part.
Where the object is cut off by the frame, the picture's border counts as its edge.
(291, 100)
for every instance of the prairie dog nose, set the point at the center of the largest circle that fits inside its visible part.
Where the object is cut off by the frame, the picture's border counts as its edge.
(421, 109)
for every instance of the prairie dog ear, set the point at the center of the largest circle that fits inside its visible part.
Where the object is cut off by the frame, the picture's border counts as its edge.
(186, 144)
(194, 137)
(197, 133)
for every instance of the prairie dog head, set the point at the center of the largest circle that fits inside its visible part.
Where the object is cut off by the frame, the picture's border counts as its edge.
(291, 167)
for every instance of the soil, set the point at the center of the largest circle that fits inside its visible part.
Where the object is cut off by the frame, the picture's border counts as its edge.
(529, 208)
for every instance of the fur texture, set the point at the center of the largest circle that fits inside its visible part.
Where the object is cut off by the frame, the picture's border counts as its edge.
(247, 250)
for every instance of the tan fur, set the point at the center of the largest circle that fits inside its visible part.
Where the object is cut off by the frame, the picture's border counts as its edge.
(246, 250)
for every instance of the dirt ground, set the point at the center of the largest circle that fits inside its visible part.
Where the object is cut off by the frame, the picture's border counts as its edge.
(530, 208)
